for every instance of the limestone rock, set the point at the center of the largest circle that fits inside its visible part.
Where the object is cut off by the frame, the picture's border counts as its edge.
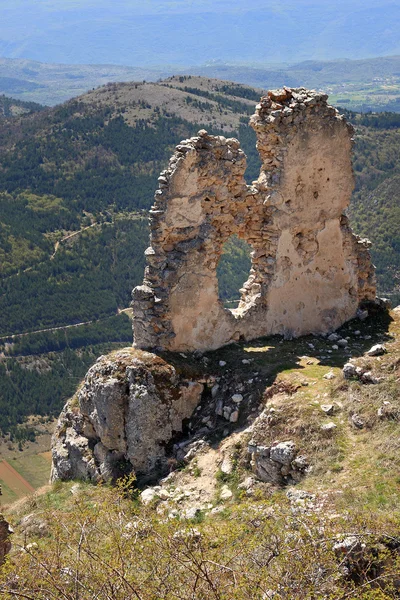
(328, 409)
(225, 493)
(328, 427)
(329, 375)
(377, 350)
(349, 371)
(5, 544)
(130, 405)
(276, 463)
(309, 272)
(148, 495)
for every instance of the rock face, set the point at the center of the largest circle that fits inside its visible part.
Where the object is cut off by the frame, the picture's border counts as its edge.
(309, 271)
(279, 463)
(5, 544)
(309, 274)
(127, 410)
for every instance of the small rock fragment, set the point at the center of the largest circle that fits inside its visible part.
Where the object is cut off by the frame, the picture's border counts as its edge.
(147, 496)
(328, 426)
(333, 337)
(234, 416)
(329, 375)
(237, 398)
(377, 350)
(227, 466)
(247, 483)
(349, 371)
(225, 493)
(357, 421)
(368, 377)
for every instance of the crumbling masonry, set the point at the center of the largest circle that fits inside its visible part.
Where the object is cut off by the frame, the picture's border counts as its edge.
(309, 271)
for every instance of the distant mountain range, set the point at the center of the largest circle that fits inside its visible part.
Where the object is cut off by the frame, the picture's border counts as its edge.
(367, 84)
(166, 32)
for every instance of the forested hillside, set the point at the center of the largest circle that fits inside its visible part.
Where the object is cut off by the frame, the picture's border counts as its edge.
(75, 185)
(76, 182)
(375, 207)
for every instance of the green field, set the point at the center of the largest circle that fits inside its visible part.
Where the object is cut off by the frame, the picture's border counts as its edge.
(35, 468)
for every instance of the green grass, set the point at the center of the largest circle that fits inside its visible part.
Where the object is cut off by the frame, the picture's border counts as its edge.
(34, 468)
(7, 494)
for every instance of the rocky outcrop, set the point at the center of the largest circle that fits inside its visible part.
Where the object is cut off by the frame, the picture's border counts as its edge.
(5, 543)
(309, 272)
(127, 410)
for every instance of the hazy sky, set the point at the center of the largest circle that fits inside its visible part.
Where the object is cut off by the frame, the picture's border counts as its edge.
(160, 32)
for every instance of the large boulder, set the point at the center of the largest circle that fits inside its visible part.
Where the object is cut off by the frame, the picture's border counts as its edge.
(129, 407)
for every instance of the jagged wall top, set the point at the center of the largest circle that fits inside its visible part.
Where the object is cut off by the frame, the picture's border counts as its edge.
(309, 272)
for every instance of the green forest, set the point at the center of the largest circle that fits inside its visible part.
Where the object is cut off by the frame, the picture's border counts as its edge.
(76, 182)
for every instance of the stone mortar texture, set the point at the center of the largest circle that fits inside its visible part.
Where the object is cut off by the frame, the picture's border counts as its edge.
(309, 272)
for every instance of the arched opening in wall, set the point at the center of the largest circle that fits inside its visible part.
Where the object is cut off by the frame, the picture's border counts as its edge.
(233, 270)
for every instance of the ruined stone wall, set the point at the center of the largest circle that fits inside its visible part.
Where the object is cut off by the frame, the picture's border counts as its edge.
(309, 272)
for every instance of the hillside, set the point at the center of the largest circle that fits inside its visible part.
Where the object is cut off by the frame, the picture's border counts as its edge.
(76, 182)
(363, 85)
(226, 522)
(10, 107)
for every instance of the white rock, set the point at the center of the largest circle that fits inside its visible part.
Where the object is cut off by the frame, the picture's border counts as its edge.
(227, 466)
(190, 513)
(283, 453)
(163, 494)
(247, 483)
(349, 371)
(222, 363)
(237, 398)
(329, 375)
(147, 496)
(225, 493)
(328, 426)
(377, 350)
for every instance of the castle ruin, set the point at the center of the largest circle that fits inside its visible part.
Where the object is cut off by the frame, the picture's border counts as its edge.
(309, 272)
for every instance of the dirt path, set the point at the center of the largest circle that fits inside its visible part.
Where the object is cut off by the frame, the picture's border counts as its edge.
(14, 480)
(49, 329)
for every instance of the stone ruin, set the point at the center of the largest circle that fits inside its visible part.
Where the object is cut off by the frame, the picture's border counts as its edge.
(309, 272)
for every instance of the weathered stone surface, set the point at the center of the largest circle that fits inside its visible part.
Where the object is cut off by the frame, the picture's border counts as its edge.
(277, 463)
(377, 350)
(309, 271)
(128, 408)
(349, 371)
(5, 544)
